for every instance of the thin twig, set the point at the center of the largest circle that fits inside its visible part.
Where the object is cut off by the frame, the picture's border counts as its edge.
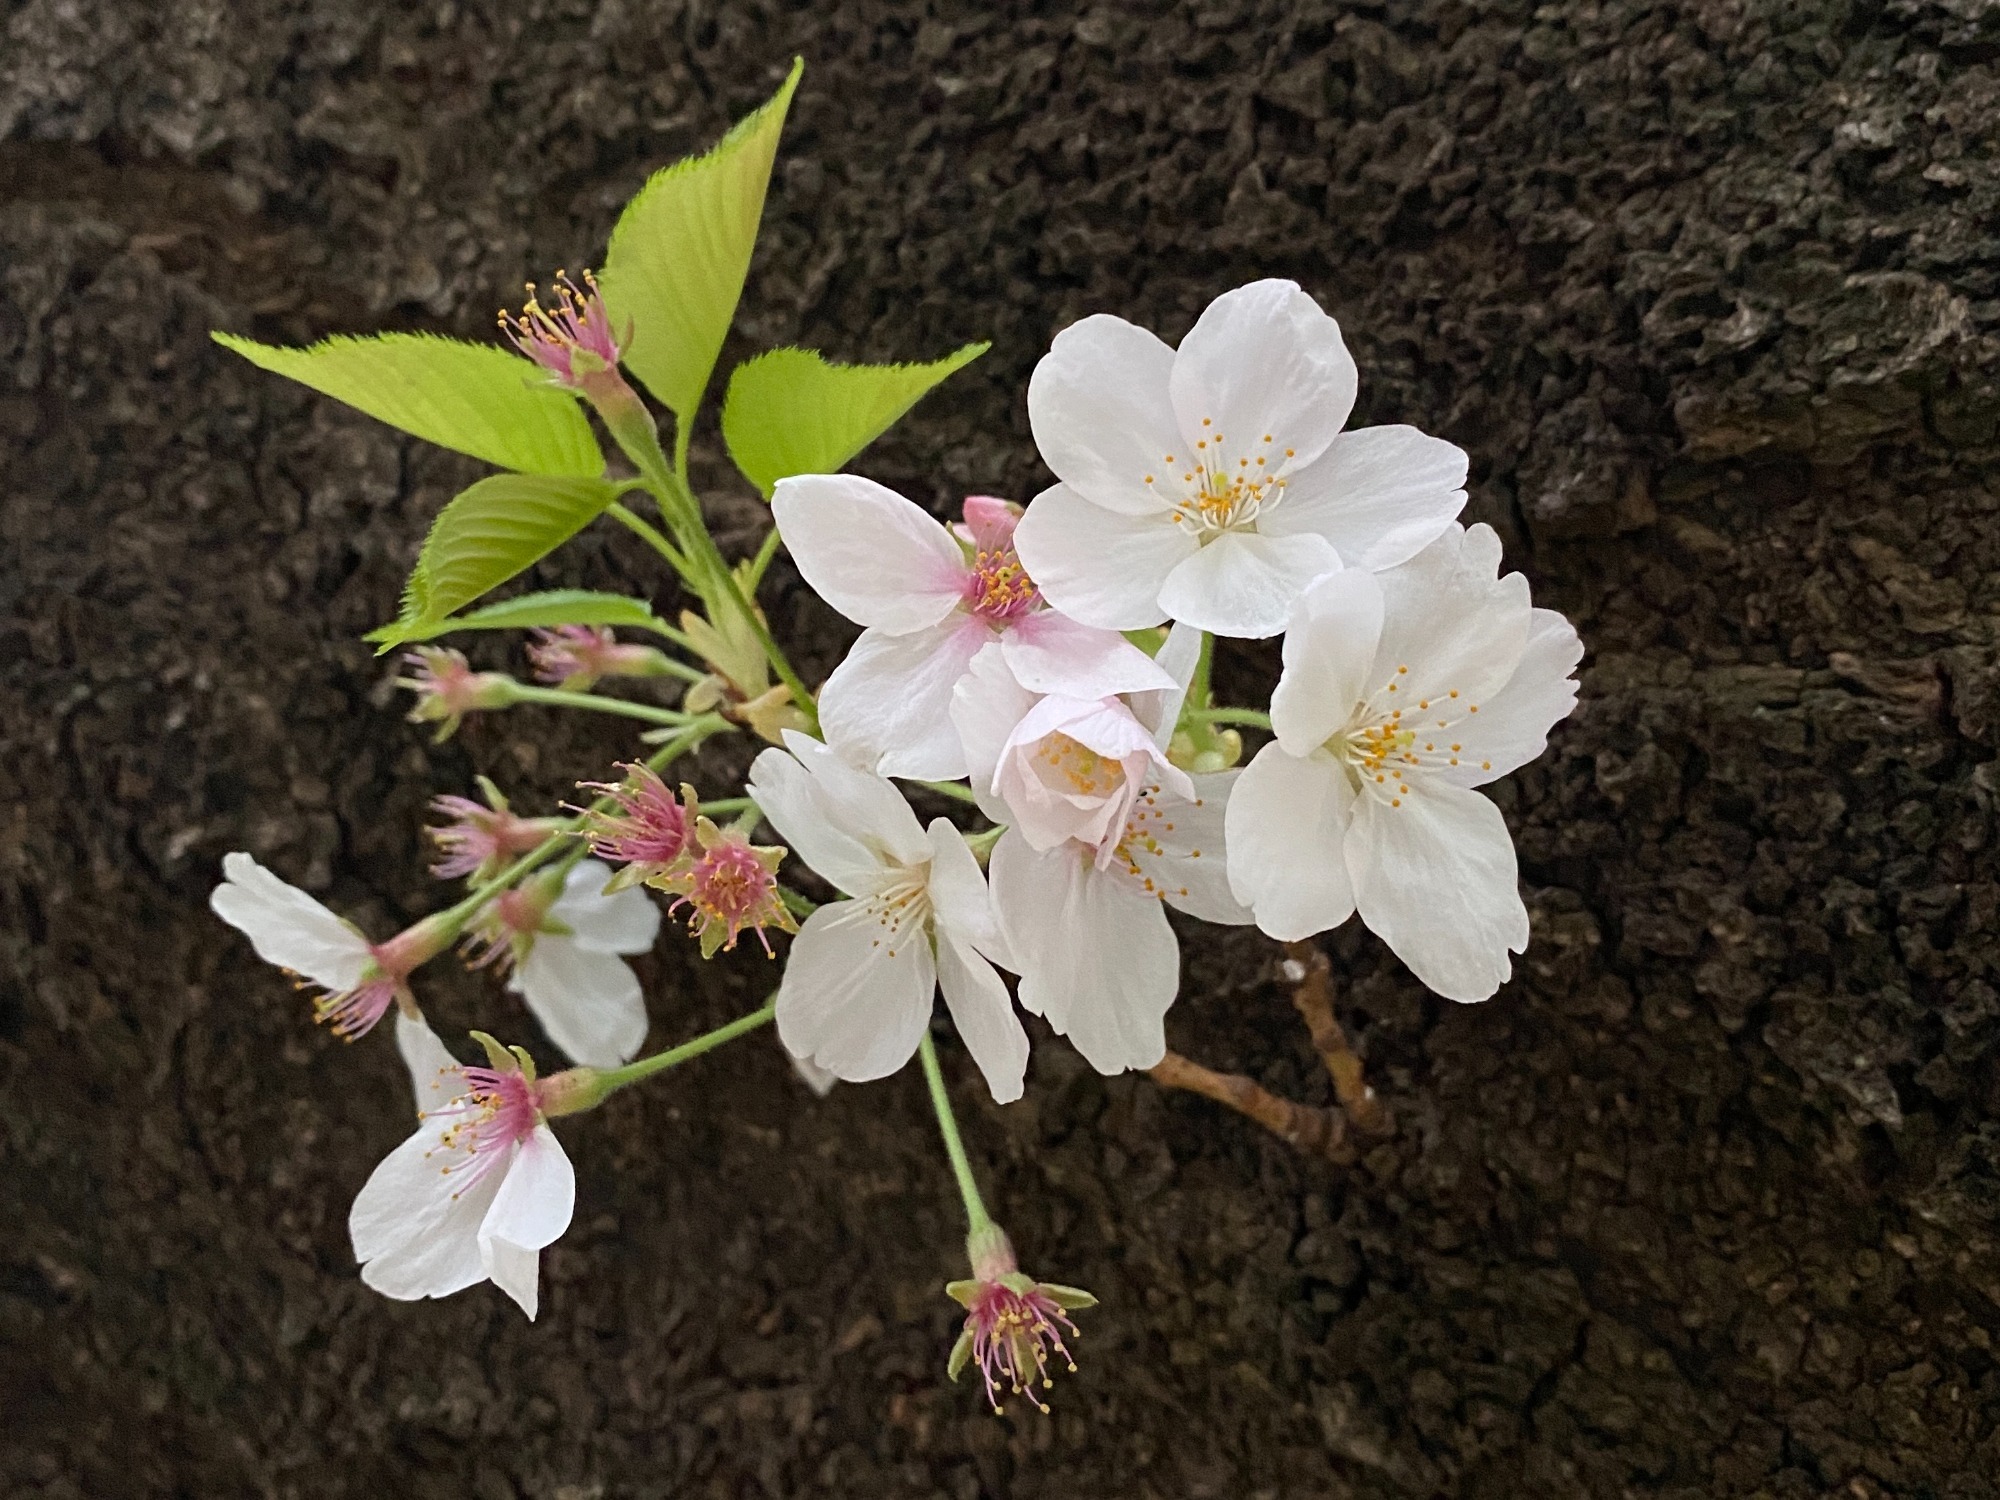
(1309, 976)
(1302, 1126)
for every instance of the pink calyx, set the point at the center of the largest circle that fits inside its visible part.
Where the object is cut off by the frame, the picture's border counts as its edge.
(353, 1012)
(731, 885)
(1014, 1325)
(651, 833)
(479, 837)
(576, 656)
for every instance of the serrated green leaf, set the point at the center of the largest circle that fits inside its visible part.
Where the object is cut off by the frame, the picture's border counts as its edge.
(492, 531)
(681, 249)
(527, 612)
(791, 412)
(474, 398)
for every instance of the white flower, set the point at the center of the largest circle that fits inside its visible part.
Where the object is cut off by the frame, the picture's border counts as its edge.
(1213, 484)
(360, 979)
(858, 984)
(472, 1196)
(1401, 692)
(930, 600)
(565, 950)
(1102, 831)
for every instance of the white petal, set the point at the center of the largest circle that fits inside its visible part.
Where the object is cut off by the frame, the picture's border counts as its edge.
(406, 1194)
(871, 554)
(807, 819)
(959, 900)
(626, 921)
(515, 1271)
(1379, 494)
(435, 1075)
(1329, 659)
(1099, 958)
(1100, 566)
(1262, 360)
(810, 1073)
(1512, 726)
(1048, 652)
(1050, 804)
(444, 1259)
(287, 927)
(1246, 584)
(538, 1199)
(853, 999)
(1184, 850)
(888, 705)
(984, 1015)
(588, 1002)
(1436, 880)
(1160, 712)
(1101, 414)
(1287, 825)
(1452, 623)
(867, 804)
(985, 707)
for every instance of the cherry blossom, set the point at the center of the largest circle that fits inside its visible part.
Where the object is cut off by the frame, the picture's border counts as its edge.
(1211, 484)
(1102, 830)
(1402, 691)
(859, 983)
(360, 980)
(1014, 1325)
(930, 599)
(575, 657)
(448, 689)
(647, 831)
(482, 837)
(726, 885)
(574, 341)
(473, 1195)
(564, 944)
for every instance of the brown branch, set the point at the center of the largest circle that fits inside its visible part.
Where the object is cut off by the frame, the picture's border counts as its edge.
(1310, 978)
(1322, 1131)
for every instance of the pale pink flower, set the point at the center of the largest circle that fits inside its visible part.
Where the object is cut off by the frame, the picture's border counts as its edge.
(930, 599)
(1101, 832)
(360, 980)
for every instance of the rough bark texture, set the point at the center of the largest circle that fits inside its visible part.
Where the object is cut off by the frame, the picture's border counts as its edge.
(1705, 1203)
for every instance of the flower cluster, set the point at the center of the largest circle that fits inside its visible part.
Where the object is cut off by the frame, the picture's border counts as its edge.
(1048, 668)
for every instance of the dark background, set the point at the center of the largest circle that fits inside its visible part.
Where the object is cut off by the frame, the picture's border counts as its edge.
(1703, 1204)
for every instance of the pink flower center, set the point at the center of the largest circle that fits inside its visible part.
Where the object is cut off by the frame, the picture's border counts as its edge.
(730, 887)
(352, 1013)
(650, 826)
(497, 1111)
(999, 590)
(1014, 1335)
(579, 323)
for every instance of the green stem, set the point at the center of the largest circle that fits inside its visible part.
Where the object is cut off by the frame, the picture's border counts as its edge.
(1198, 697)
(522, 692)
(729, 805)
(766, 550)
(976, 1216)
(1229, 716)
(653, 537)
(950, 789)
(611, 1079)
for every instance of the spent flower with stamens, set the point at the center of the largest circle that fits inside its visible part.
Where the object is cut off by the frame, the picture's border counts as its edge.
(448, 689)
(650, 834)
(574, 340)
(359, 980)
(480, 838)
(729, 885)
(575, 657)
(1014, 1325)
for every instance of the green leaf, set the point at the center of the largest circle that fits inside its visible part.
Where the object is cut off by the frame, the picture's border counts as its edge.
(527, 612)
(475, 398)
(497, 528)
(681, 249)
(790, 412)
